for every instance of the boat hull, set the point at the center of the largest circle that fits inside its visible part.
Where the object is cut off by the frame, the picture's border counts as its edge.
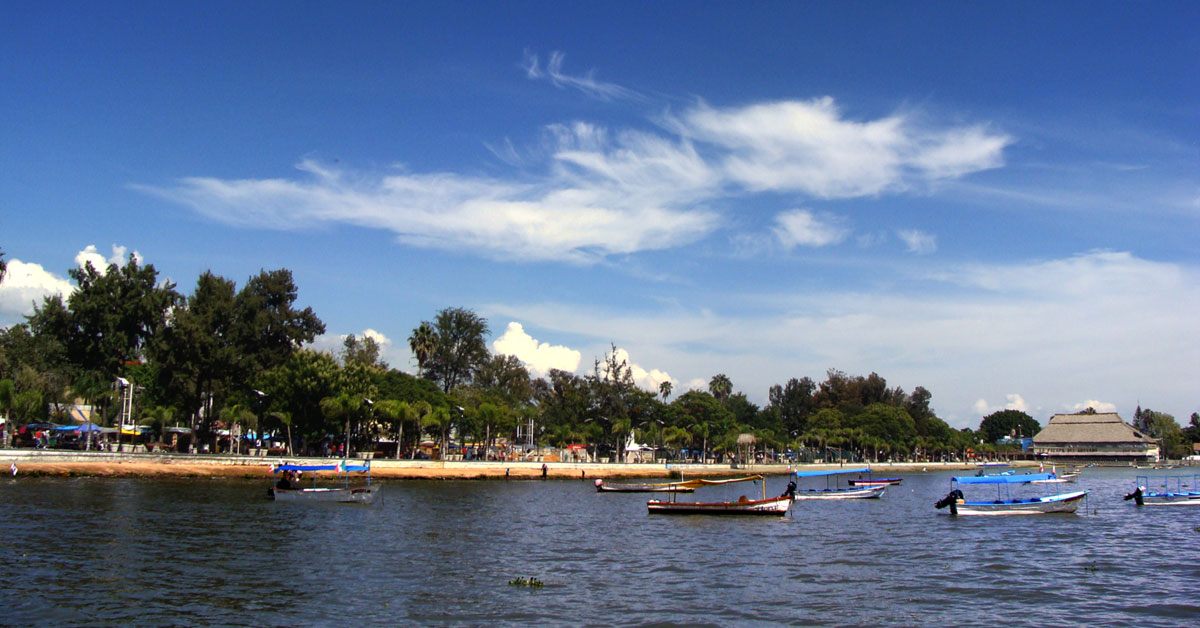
(341, 495)
(878, 482)
(1065, 503)
(642, 488)
(863, 492)
(1173, 499)
(773, 506)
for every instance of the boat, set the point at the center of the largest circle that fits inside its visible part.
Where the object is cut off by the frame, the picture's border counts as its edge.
(1169, 490)
(1004, 504)
(660, 487)
(875, 482)
(993, 468)
(742, 506)
(1059, 478)
(831, 490)
(290, 489)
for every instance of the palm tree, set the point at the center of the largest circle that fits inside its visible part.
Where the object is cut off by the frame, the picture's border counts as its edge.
(422, 342)
(664, 389)
(397, 412)
(343, 406)
(285, 418)
(720, 386)
(440, 418)
(238, 414)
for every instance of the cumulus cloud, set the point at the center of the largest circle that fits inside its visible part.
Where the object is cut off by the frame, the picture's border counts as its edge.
(379, 338)
(645, 379)
(1052, 329)
(917, 241)
(26, 285)
(1098, 406)
(538, 357)
(91, 255)
(800, 227)
(1013, 402)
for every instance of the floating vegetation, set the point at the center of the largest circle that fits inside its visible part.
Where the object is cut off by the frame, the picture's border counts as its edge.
(526, 582)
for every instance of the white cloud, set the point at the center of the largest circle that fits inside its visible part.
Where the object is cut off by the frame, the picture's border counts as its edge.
(538, 357)
(1098, 406)
(1016, 402)
(553, 221)
(91, 255)
(647, 380)
(1054, 330)
(800, 227)
(24, 286)
(809, 146)
(614, 192)
(380, 339)
(586, 83)
(917, 241)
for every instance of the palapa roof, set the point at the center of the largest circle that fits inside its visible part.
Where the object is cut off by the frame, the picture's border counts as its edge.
(1102, 427)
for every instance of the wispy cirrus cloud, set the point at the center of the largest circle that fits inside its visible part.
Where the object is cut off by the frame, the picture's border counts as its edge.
(917, 241)
(587, 83)
(602, 192)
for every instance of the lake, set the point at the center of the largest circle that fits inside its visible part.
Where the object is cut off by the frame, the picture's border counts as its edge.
(186, 552)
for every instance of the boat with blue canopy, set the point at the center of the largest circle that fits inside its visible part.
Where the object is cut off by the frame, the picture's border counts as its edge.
(1166, 490)
(1005, 503)
(348, 488)
(832, 489)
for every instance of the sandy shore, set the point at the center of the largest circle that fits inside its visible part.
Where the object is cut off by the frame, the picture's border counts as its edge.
(66, 464)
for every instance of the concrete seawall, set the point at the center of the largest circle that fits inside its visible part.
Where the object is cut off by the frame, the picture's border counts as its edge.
(101, 464)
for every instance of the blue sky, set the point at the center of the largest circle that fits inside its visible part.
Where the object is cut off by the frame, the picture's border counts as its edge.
(999, 202)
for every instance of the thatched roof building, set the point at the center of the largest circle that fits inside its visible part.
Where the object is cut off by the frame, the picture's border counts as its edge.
(1101, 436)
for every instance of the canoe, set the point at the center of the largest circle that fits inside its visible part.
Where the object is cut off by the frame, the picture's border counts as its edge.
(665, 487)
(341, 495)
(769, 506)
(858, 492)
(876, 482)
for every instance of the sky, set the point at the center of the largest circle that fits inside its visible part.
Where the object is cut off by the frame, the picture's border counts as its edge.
(997, 201)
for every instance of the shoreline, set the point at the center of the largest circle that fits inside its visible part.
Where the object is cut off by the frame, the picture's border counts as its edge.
(102, 464)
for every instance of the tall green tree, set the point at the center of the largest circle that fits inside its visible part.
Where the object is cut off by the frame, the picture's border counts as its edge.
(268, 326)
(720, 386)
(459, 347)
(422, 342)
(111, 316)
(1003, 423)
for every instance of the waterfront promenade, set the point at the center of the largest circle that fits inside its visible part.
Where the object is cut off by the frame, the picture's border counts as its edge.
(104, 464)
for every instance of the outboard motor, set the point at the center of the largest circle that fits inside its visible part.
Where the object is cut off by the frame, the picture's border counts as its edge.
(790, 491)
(599, 483)
(1136, 496)
(951, 500)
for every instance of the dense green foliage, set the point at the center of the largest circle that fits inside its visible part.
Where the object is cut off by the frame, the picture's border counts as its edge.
(222, 357)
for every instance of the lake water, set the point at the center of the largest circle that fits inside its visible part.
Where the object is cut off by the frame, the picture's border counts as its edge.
(173, 552)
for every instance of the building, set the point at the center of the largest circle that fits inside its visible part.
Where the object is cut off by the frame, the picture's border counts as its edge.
(1094, 437)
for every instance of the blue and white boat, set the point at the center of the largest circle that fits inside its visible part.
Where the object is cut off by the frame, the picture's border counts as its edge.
(1167, 490)
(1005, 503)
(290, 486)
(832, 489)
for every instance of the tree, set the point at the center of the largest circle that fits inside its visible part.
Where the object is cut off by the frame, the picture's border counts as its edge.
(422, 342)
(664, 389)
(504, 377)
(1003, 423)
(365, 352)
(720, 386)
(111, 316)
(1163, 426)
(268, 328)
(459, 347)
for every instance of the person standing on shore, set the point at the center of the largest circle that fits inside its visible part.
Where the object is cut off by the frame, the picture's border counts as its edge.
(545, 470)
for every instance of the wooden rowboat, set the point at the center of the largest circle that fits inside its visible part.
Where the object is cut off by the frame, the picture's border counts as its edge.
(770, 506)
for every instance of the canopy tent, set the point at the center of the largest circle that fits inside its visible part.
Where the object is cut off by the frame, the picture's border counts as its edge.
(86, 427)
(1003, 479)
(815, 474)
